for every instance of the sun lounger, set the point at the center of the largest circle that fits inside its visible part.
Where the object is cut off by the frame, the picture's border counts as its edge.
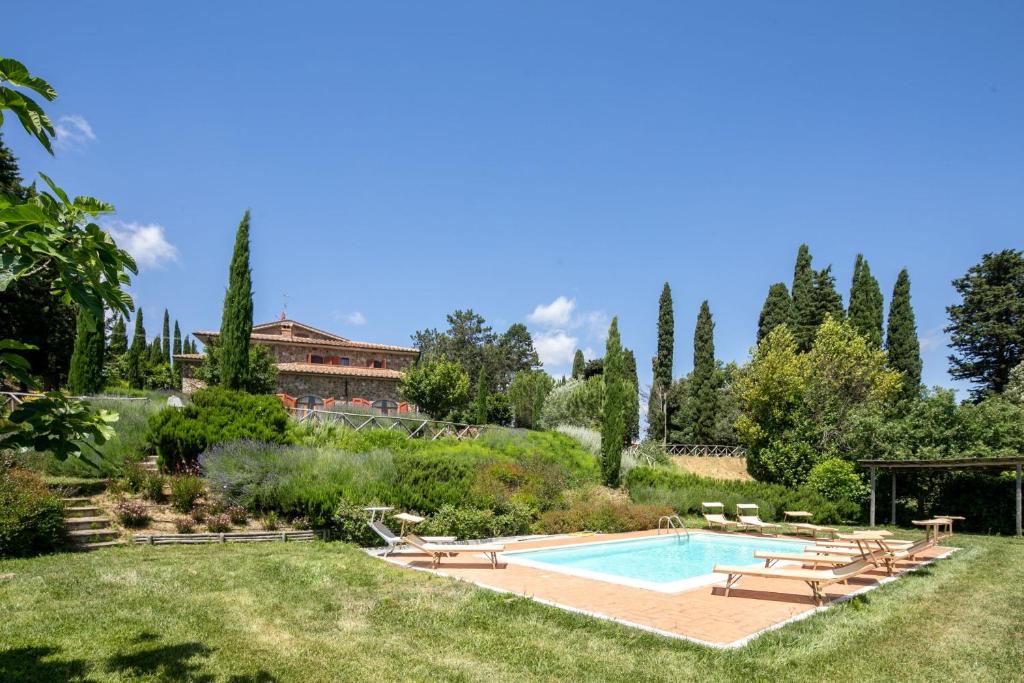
(393, 540)
(751, 520)
(716, 518)
(816, 579)
(439, 550)
(814, 559)
(805, 526)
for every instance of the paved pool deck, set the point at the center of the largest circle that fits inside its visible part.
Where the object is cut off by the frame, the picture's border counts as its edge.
(703, 614)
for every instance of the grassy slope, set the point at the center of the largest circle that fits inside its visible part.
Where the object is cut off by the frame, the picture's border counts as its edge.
(313, 611)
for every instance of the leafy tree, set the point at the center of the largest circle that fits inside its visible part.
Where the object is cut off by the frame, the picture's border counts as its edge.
(702, 383)
(865, 311)
(1014, 390)
(632, 395)
(593, 368)
(516, 352)
(578, 362)
(987, 327)
(118, 345)
(827, 301)
(439, 387)
(661, 368)
(527, 394)
(901, 341)
(236, 321)
(577, 403)
(613, 420)
(481, 405)
(86, 374)
(134, 371)
(777, 310)
(262, 377)
(805, 308)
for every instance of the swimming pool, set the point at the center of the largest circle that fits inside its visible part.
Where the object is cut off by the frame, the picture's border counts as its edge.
(667, 563)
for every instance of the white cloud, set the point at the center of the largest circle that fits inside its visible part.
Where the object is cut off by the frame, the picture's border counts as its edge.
(556, 314)
(73, 131)
(933, 339)
(597, 323)
(145, 242)
(354, 318)
(555, 348)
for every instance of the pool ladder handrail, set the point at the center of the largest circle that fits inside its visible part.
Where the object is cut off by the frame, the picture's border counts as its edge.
(672, 523)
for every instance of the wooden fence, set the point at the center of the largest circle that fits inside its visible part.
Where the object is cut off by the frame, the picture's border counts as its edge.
(236, 537)
(412, 427)
(706, 450)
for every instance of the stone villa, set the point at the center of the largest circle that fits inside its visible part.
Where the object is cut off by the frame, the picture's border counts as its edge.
(320, 370)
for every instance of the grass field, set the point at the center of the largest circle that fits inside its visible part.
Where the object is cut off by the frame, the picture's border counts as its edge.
(714, 468)
(325, 612)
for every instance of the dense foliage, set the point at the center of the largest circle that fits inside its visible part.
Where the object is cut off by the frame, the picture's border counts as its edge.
(236, 319)
(439, 387)
(613, 412)
(261, 377)
(661, 368)
(527, 394)
(777, 310)
(86, 374)
(31, 516)
(901, 340)
(865, 308)
(575, 402)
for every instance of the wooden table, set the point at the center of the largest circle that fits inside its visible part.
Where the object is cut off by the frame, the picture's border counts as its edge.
(932, 527)
(951, 519)
(406, 518)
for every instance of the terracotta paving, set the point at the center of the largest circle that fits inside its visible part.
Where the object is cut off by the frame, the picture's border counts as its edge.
(704, 614)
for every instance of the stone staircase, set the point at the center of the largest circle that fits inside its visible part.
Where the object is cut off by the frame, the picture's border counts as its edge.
(88, 527)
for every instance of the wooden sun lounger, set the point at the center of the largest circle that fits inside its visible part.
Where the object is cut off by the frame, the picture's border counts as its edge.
(816, 579)
(439, 550)
(752, 520)
(716, 518)
(814, 559)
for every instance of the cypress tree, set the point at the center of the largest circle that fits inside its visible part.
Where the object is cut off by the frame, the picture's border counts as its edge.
(177, 339)
(578, 363)
(86, 374)
(901, 338)
(632, 397)
(661, 368)
(156, 352)
(480, 404)
(133, 372)
(805, 320)
(866, 303)
(777, 310)
(613, 418)
(166, 338)
(704, 394)
(236, 321)
(827, 301)
(118, 338)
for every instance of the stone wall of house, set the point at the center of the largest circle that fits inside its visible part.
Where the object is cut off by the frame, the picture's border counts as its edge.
(191, 384)
(338, 387)
(359, 358)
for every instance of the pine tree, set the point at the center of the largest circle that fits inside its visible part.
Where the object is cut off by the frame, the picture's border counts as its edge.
(165, 338)
(866, 303)
(236, 321)
(578, 363)
(827, 301)
(10, 175)
(613, 418)
(901, 338)
(134, 373)
(176, 349)
(805, 320)
(86, 374)
(632, 396)
(777, 310)
(118, 338)
(480, 404)
(661, 369)
(704, 393)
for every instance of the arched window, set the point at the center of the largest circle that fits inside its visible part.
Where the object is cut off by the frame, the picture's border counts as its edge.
(309, 403)
(385, 406)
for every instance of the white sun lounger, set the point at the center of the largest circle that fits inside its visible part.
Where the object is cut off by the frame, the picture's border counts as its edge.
(751, 520)
(393, 540)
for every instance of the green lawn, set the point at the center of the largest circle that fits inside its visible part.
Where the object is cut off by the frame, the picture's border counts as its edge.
(326, 612)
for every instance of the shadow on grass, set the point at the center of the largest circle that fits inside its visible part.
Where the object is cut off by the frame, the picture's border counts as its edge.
(179, 662)
(27, 664)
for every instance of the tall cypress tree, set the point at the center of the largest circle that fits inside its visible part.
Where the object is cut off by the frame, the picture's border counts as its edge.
(578, 363)
(805, 317)
(86, 374)
(661, 367)
(156, 352)
(118, 338)
(236, 321)
(704, 394)
(165, 338)
(613, 418)
(901, 338)
(480, 404)
(632, 397)
(866, 303)
(133, 372)
(777, 310)
(827, 301)
(176, 349)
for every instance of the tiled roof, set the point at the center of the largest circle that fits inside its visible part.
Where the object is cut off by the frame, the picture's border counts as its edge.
(189, 356)
(202, 335)
(304, 326)
(345, 370)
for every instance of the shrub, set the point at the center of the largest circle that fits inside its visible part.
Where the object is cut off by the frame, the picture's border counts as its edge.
(215, 416)
(133, 477)
(837, 481)
(153, 487)
(132, 513)
(590, 439)
(577, 402)
(349, 525)
(645, 454)
(198, 514)
(469, 522)
(185, 491)
(184, 525)
(270, 521)
(238, 515)
(592, 512)
(218, 524)
(303, 523)
(31, 516)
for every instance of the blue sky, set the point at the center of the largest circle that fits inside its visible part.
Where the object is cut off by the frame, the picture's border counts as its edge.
(402, 160)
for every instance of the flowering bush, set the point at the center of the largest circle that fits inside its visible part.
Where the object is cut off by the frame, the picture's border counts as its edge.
(153, 488)
(270, 521)
(185, 491)
(184, 525)
(237, 515)
(31, 516)
(218, 524)
(133, 513)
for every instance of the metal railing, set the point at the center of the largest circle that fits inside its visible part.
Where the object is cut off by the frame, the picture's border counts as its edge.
(706, 450)
(412, 427)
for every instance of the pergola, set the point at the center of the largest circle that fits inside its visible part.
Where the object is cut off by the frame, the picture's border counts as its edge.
(1009, 463)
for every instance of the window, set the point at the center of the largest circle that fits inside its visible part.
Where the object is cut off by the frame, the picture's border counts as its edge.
(344, 361)
(313, 358)
(378, 363)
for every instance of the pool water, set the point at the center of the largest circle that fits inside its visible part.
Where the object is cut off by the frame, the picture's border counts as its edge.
(668, 562)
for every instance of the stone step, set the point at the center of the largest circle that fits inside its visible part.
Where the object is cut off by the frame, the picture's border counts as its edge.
(100, 544)
(81, 511)
(87, 522)
(93, 535)
(76, 501)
